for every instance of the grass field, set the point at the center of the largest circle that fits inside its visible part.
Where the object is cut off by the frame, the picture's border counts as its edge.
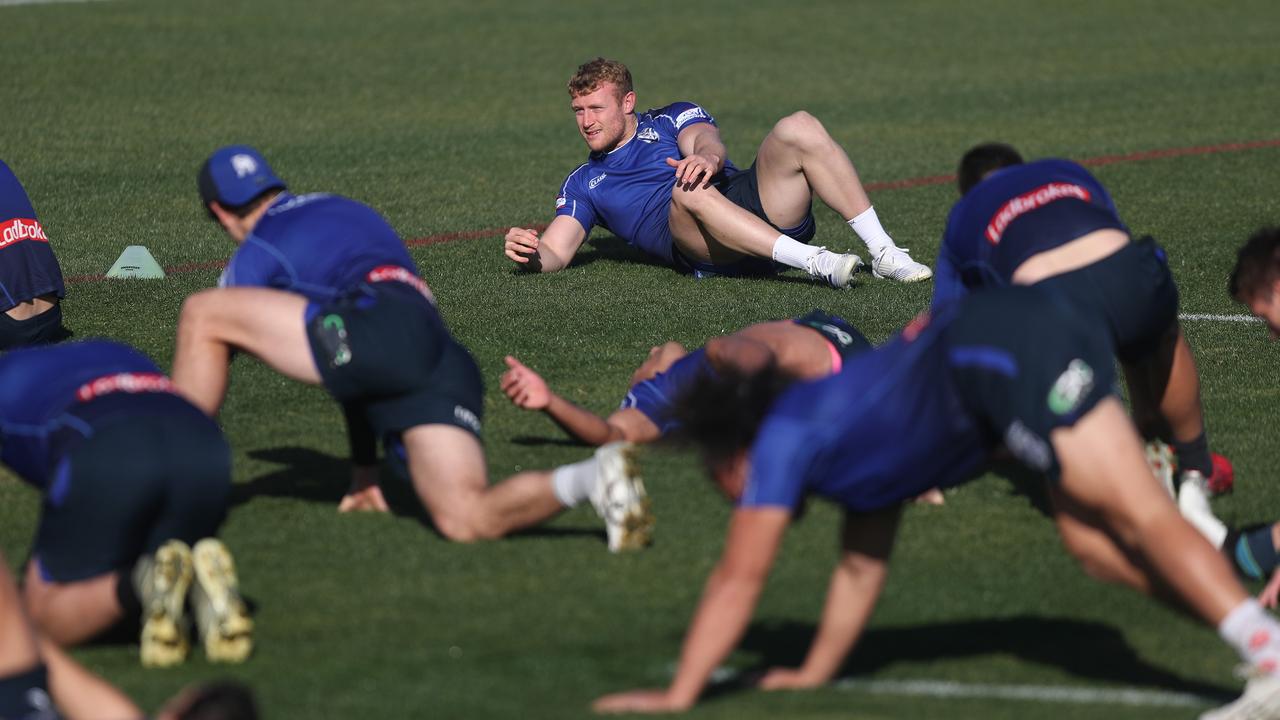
(451, 117)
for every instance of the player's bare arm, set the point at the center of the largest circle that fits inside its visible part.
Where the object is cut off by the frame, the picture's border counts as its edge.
(855, 586)
(727, 605)
(703, 156)
(548, 251)
(738, 352)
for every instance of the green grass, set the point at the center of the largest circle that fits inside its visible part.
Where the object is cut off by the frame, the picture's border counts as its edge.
(451, 116)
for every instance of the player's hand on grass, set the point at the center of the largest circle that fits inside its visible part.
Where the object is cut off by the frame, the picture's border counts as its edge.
(639, 701)
(524, 387)
(521, 245)
(1271, 593)
(364, 495)
(789, 679)
(695, 170)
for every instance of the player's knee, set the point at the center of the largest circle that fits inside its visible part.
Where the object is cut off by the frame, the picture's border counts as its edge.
(197, 313)
(465, 524)
(694, 200)
(800, 129)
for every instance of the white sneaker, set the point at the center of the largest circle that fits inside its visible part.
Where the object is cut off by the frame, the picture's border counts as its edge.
(619, 498)
(1260, 701)
(1160, 460)
(894, 263)
(1193, 501)
(837, 269)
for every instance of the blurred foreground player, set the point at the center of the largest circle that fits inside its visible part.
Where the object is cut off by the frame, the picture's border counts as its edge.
(30, 279)
(38, 681)
(135, 482)
(1012, 368)
(322, 289)
(1051, 224)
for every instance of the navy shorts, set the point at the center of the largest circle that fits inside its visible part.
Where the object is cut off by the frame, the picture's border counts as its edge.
(844, 337)
(1024, 362)
(26, 695)
(154, 469)
(383, 347)
(743, 189)
(43, 329)
(1130, 293)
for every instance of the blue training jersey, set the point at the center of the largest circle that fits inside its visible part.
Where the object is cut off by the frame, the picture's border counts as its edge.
(1013, 214)
(315, 245)
(627, 191)
(28, 268)
(40, 387)
(656, 396)
(883, 430)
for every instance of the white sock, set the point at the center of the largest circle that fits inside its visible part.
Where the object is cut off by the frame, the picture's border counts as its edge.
(793, 253)
(572, 483)
(1254, 634)
(867, 225)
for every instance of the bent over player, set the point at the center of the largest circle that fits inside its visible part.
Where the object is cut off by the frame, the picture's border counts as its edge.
(1050, 223)
(322, 289)
(662, 181)
(1013, 368)
(135, 482)
(30, 279)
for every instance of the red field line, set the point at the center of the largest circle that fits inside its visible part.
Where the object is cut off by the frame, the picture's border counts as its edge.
(904, 184)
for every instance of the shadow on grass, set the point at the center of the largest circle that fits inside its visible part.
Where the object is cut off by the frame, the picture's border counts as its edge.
(318, 477)
(531, 440)
(1087, 650)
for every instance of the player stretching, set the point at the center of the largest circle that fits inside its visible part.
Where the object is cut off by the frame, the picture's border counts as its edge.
(1013, 368)
(135, 483)
(662, 181)
(322, 289)
(1051, 224)
(30, 279)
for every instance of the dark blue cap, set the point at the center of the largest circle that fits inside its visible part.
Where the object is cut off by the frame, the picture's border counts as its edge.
(14, 202)
(234, 175)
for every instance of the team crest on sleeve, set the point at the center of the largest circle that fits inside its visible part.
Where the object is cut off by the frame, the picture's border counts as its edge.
(693, 113)
(560, 202)
(1071, 387)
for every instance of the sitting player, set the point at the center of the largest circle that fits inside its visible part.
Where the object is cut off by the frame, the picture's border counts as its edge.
(30, 279)
(322, 289)
(812, 346)
(132, 476)
(1012, 368)
(662, 181)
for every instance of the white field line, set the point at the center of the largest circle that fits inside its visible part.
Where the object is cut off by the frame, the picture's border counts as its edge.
(1131, 696)
(1215, 318)
(1072, 694)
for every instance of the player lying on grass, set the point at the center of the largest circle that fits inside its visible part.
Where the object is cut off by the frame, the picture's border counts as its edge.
(1011, 368)
(812, 346)
(662, 181)
(322, 289)
(30, 278)
(132, 476)
(1051, 224)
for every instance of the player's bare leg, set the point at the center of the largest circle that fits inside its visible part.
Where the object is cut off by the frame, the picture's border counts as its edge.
(71, 613)
(1104, 472)
(448, 470)
(267, 324)
(1165, 390)
(798, 159)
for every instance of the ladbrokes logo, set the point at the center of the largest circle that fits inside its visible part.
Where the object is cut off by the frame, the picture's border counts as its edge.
(1029, 201)
(124, 382)
(19, 229)
(395, 273)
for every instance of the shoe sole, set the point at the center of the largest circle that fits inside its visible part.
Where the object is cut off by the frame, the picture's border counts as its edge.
(912, 279)
(636, 524)
(164, 640)
(846, 275)
(1259, 702)
(229, 639)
